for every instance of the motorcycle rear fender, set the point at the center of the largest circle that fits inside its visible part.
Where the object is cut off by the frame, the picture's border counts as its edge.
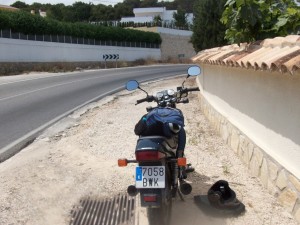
(146, 192)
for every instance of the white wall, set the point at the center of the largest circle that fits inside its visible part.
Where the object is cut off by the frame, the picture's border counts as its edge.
(168, 15)
(143, 19)
(190, 18)
(138, 11)
(263, 105)
(13, 50)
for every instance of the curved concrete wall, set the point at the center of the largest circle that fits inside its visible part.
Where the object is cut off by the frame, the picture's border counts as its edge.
(14, 50)
(263, 105)
(257, 114)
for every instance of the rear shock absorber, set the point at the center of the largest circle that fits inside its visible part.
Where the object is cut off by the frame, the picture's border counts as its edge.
(174, 174)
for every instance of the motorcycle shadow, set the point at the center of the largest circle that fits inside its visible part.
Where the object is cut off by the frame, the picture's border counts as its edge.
(186, 211)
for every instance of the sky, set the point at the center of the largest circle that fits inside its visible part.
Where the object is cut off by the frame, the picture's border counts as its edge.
(70, 2)
(66, 2)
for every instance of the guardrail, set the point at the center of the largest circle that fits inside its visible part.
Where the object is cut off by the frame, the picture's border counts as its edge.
(74, 40)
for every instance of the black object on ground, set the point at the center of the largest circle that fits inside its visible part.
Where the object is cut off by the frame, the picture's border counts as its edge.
(220, 201)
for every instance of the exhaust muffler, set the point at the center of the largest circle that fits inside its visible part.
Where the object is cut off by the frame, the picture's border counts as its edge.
(185, 188)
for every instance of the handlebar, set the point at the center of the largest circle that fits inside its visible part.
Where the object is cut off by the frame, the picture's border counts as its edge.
(192, 89)
(186, 90)
(149, 98)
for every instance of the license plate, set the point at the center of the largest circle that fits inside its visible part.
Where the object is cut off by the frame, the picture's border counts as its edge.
(150, 177)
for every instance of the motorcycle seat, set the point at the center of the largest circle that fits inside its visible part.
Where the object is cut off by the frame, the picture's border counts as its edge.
(159, 143)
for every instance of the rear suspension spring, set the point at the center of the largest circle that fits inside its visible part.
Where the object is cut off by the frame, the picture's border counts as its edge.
(174, 174)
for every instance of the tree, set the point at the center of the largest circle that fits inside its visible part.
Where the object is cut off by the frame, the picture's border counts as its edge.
(251, 20)
(148, 3)
(157, 20)
(20, 5)
(56, 12)
(82, 11)
(68, 14)
(110, 13)
(131, 3)
(98, 13)
(122, 10)
(187, 5)
(36, 7)
(180, 18)
(169, 5)
(208, 31)
(289, 21)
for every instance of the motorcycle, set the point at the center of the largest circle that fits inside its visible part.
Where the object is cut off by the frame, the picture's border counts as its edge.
(160, 173)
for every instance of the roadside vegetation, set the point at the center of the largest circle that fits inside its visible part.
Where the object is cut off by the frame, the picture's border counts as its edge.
(219, 22)
(216, 22)
(87, 12)
(26, 23)
(108, 15)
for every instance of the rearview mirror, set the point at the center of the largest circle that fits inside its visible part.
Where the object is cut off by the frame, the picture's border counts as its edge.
(132, 85)
(194, 71)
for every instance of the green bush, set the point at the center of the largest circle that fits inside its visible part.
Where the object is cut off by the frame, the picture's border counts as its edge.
(27, 23)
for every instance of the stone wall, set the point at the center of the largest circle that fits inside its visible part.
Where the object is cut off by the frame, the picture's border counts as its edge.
(176, 46)
(276, 179)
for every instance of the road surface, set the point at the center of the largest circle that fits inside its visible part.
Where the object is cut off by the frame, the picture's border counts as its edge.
(31, 103)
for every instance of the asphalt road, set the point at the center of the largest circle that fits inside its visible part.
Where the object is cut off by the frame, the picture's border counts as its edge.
(31, 103)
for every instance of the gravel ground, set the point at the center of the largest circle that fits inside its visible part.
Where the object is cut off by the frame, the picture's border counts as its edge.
(78, 157)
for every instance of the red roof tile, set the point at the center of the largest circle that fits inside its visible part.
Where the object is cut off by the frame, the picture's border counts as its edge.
(277, 54)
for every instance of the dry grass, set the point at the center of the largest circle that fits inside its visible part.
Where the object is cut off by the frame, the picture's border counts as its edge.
(14, 68)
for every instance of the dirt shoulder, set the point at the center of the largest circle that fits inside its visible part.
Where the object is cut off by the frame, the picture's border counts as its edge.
(78, 157)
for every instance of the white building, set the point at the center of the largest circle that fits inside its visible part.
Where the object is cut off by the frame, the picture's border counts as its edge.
(142, 15)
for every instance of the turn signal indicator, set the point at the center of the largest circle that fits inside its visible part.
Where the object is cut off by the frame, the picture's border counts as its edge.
(181, 161)
(122, 162)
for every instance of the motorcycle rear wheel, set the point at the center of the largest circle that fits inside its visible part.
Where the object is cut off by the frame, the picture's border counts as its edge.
(160, 216)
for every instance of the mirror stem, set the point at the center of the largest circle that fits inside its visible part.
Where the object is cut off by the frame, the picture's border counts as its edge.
(143, 90)
(183, 83)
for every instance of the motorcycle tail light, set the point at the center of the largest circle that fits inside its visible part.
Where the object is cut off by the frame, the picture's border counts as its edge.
(122, 162)
(181, 161)
(150, 198)
(148, 155)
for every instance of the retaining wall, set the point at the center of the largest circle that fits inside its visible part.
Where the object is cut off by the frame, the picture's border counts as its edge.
(176, 46)
(15, 50)
(228, 96)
